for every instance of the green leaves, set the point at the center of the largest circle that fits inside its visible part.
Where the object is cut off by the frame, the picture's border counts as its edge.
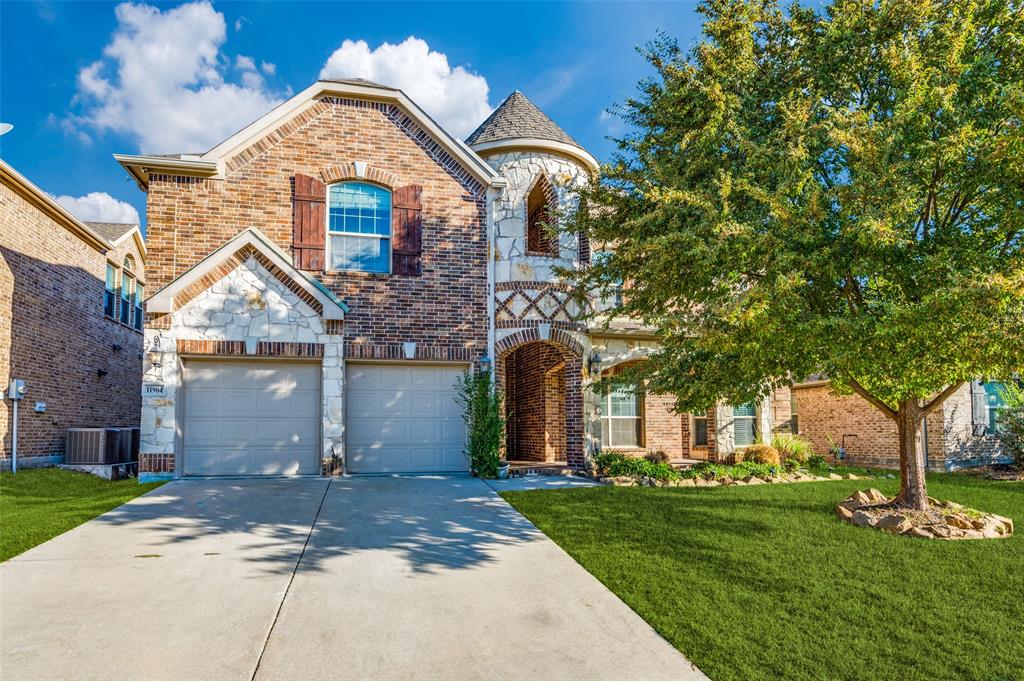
(837, 191)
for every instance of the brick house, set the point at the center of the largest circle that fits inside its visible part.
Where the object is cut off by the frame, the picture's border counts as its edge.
(961, 433)
(323, 276)
(70, 321)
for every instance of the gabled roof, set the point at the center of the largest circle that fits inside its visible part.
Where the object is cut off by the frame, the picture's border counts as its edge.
(163, 300)
(116, 232)
(112, 231)
(518, 123)
(48, 206)
(212, 163)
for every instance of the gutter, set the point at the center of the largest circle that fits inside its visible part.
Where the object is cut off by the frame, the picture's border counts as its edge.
(492, 196)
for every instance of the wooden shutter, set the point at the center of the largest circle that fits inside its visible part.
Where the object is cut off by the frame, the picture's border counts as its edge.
(979, 408)
(406, 231)
(309, 196)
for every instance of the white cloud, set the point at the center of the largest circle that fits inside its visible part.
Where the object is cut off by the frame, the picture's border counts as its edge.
(162, 81)
(99, 207)
(268, 68)
(455, 97)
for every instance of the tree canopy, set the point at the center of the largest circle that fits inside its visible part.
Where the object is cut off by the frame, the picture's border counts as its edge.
(837, 190)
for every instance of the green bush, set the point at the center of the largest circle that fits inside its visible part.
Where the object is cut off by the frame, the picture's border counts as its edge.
(816, 461)
(1011, 423)
(793, 447)
(485, 427)
(790, 465)
(657, 456)
(717, 471)
(615, 464)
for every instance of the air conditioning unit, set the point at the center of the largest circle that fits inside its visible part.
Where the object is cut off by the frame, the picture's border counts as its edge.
(93, 446)
(132, 438)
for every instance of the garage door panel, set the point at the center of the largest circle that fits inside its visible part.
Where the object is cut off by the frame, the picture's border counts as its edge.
(403, 419)
(251, 418)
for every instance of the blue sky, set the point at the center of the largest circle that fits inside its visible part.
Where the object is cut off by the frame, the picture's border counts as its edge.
(81, 81)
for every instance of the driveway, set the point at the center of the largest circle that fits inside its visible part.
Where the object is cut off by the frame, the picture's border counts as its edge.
(360, 578)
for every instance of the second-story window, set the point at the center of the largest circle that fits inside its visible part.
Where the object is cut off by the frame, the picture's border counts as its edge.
(110, 294)
(127, 290)
(139, 296)
(359, 227)
(613, 297)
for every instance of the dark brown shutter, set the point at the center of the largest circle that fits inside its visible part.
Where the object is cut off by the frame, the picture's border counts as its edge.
(406, 231)
(309, 196)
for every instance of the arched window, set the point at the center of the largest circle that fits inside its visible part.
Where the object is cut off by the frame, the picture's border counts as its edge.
(540, 205)
(359, 227)
(129, 264)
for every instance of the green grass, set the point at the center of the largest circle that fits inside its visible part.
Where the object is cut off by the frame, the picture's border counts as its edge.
(38, 504)
(764, 582)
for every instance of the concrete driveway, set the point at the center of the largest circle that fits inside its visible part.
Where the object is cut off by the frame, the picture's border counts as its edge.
(352, 578)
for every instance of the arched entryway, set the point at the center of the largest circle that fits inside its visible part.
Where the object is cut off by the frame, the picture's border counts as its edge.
(541, 381)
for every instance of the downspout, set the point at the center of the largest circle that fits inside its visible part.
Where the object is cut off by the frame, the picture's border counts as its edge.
(492, 195)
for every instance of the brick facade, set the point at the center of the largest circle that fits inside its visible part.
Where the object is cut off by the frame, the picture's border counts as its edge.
(870, 439)
(442, 310)
(534, 377)
(53, 333)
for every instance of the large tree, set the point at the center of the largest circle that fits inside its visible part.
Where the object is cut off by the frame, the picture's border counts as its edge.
(836, 190)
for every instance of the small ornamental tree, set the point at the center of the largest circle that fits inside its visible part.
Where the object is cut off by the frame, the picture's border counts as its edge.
(837, 190)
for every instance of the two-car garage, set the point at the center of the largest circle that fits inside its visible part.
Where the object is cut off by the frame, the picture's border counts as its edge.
(245, 417)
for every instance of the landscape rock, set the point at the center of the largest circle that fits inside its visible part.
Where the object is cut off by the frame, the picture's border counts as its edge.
(862, 519)
(687, 482)
(919, 532)
(942, 520)
(844, 513)
(621, 481)
(894, 523)
(834, 476)
(875, 496)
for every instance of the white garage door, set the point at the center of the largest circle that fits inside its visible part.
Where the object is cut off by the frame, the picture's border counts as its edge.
(403, 419)
(251, 418)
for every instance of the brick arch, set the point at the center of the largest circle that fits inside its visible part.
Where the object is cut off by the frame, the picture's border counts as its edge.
(347, 171)
(571, 352)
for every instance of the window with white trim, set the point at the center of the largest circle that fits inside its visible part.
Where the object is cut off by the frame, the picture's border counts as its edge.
(110, 293)
(139, 297)
(621, 418)
(995, 402)
(359, 227)
(744, 419)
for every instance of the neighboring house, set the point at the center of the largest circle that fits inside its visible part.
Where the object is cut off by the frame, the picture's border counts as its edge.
(961, 433)
(70, 320)
(323, 276)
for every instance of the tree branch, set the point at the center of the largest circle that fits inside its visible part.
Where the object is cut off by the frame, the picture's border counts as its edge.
(879, 404)
(934, 403)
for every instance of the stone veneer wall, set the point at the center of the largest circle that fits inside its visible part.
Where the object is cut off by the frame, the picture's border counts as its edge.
(960, 446)
(249, 306)
(54, 335)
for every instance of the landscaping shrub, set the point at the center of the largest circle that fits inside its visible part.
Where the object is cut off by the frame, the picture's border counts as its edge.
(615, 464)
(793, 447)
(717, 471)
(485, 427)
(657, 457)
(816, 461)
(1011, 424)
(759, 454)
(790, 465)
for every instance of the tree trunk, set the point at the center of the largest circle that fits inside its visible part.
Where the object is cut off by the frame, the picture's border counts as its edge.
(913, 493)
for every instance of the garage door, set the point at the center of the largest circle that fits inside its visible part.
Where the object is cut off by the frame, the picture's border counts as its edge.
(403, 419)
(251, 418)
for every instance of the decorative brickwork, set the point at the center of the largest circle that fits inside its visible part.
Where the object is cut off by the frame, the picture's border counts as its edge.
(53, 334)
(531, 303)
(534, 376)
(348, 171)
(434, 353)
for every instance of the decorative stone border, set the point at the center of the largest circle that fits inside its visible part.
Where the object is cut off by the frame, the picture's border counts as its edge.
(944, 520)
(626, 481)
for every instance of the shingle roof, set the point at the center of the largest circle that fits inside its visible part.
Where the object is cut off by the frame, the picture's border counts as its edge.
(519, 117)
(354, 81)
(112, 231)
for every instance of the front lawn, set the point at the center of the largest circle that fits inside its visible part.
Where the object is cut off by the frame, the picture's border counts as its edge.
(38, 504)
(764, 582)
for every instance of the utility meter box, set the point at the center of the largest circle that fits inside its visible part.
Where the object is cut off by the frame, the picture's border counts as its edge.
(16, 390)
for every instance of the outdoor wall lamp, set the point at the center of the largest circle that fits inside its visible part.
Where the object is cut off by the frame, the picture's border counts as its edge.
(485, 364)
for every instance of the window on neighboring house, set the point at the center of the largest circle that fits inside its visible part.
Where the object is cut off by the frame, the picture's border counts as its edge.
(744, 419)
(110, 294)
(359, 227)
(139, 296)
(613, 298)
(994, 405)
(127, 290)
(621, 418)
(700, 430)
(794, 425)
(539, 239)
